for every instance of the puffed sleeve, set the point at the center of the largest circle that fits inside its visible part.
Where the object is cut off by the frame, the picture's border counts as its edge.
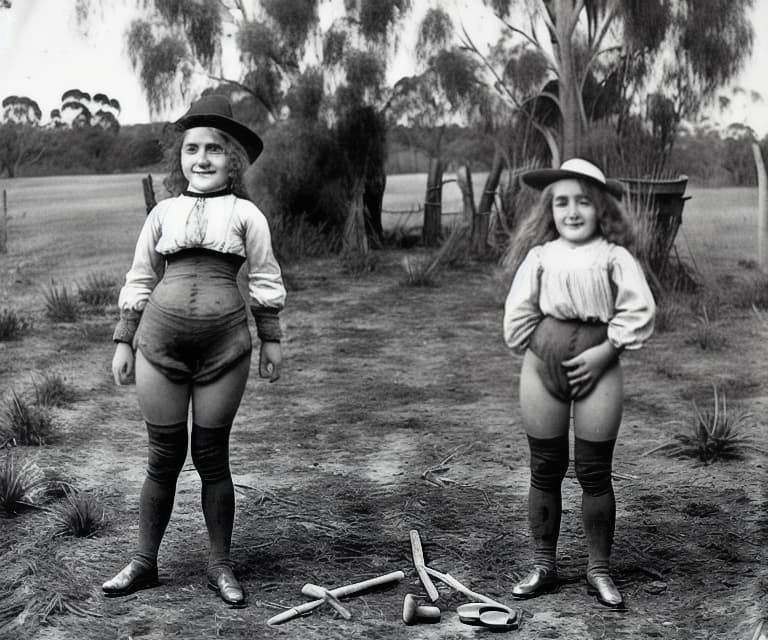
(635, 309)
(521, 309)
(265, 282)
(144, 274)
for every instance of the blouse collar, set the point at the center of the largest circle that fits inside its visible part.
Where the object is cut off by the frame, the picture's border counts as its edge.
(208, 194)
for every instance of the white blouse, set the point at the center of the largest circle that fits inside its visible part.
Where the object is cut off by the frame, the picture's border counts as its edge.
(227, 224)
(597, 281)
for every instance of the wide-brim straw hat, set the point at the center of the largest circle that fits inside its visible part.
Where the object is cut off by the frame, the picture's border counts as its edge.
(216, 111)
(575, 168)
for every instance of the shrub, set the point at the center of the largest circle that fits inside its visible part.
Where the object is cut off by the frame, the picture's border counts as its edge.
(714, 433)
(60, 305)
(98, 290)
(13, 325)
(51, 390)
(79, 514)
(419, 271)
(21, 485)
(668, 314)
(707, 334)
(25, 424)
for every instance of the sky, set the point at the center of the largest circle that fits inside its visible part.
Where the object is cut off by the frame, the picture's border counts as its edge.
(44, 52)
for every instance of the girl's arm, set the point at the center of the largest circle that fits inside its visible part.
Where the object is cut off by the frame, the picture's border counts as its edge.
(634, 307)
(265, 290)
(521, 309)
(139, 283)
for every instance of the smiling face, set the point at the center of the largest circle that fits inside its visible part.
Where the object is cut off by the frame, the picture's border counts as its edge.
(204, 160)
(574, 212)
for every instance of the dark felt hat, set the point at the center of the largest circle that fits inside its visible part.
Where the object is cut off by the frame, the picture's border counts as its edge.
(575, 168)
(216, 111)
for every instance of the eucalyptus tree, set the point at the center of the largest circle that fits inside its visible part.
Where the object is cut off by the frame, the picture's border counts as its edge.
(445, 91)
(664, 59)
(282, 48)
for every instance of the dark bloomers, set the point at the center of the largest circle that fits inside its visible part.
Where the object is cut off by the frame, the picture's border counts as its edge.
(555, 341)
(195, 327)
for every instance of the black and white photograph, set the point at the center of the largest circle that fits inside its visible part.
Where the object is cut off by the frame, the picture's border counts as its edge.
(383, 319)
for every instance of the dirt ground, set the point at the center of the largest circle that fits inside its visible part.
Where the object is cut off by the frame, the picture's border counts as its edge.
(382, 383)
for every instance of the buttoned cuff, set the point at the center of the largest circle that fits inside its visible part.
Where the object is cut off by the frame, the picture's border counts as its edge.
(127, 325)
(267, 323)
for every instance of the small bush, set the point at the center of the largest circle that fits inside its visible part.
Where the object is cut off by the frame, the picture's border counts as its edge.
(356, 263)
(668, 315)
(79, 514)
(24, 424)
(60, 304)
(51, 390)
(419, 272)
(98, 290)
(13, 325)
(21, 485)
(707, 334)
(714, 433)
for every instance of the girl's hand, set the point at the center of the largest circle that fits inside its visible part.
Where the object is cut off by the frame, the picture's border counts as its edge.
(123, 364)
(585, 369)
(270, 360)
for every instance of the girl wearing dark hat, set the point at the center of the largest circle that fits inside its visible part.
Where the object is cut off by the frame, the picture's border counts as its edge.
(183, 332)
(578, 299)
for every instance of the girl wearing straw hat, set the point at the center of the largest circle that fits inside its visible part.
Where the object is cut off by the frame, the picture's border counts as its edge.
(183, 332)
(578, 299)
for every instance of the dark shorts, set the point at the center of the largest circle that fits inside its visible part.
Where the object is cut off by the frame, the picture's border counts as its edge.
(554, 341)
(192, 350)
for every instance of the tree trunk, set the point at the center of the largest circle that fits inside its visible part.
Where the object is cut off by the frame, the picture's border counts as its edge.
(480, 228)
(433, 204)
(464, 180)
(4, 225)
(355, 239)
(372, 200)
(568, 81)
(762, 209)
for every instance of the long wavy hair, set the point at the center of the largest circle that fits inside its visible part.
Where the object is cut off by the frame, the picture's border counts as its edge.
(175, 182)
(538, 226)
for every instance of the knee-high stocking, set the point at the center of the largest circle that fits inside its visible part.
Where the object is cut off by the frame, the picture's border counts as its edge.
(598, 507)
(549, 463)
(210, 453)
(167, 450)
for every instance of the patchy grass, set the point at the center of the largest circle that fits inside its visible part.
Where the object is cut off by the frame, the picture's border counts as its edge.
(78, 513)
(99, 290)
(13, 325)
(60, 304)
(22, 423)
(52, 390)
(22, 485)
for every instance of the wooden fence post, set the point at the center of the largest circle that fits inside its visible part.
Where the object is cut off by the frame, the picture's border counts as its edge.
(762, 209)
(4, 225)
(149, 193)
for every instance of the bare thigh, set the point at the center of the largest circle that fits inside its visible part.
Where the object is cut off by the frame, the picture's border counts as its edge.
(215, 404)
(598, 416)
(161, 400)
(544, 416)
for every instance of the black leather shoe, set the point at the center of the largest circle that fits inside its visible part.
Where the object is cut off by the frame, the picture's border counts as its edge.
(134, 576)
(539, 581)
(606, 591)
(223, 581)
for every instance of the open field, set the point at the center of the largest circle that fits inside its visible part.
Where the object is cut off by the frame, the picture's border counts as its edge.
(381, 383)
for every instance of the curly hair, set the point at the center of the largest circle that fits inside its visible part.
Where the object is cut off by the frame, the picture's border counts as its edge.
(175, 182)
(538, 226)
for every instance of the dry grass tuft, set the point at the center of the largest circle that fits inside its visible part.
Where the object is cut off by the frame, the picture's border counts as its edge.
(60, 304)
(24, 424)
(79, 514)
(424, 271)
(13, 325)
(99, 290)
(51, 390)
(715, 434)
(21, 485)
